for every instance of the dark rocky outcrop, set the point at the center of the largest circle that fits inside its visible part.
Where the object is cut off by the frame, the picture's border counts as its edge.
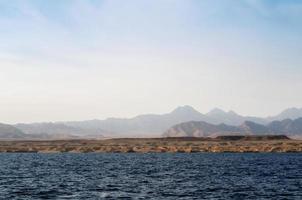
(252, 138)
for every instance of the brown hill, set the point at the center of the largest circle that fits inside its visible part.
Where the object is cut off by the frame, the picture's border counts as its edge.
(202, 129)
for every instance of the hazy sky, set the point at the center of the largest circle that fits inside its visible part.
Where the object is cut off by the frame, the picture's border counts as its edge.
(80, 59)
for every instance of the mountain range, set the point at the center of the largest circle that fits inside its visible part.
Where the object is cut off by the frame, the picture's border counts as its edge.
(287, 127)
(153, 125)
(57, 131)
(148, 125)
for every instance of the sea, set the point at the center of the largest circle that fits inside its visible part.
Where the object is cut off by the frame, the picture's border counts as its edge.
(151, 176)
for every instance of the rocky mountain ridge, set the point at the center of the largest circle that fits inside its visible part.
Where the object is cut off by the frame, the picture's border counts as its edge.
(287, 127)
(148, 125)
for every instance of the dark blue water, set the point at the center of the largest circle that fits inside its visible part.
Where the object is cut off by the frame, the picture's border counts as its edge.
(151, 176)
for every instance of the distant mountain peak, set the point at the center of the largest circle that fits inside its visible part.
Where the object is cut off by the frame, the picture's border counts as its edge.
(185, 109)
(231, 112)
(216, 111)
(290, 113)
(291, 110)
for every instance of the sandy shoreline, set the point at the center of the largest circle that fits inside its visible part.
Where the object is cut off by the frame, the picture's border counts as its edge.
(144, 145)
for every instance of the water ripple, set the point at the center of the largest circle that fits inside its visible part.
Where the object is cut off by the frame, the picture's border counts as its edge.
(151, 176)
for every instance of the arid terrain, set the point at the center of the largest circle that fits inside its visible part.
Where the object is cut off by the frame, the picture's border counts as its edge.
(173, 145)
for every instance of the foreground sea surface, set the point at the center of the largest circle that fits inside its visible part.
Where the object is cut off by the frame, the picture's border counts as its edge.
(151, 176)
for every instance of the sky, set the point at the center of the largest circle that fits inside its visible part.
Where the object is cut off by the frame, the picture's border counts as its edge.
(80, 59)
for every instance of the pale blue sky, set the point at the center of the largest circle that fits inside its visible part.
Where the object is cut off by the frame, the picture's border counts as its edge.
(80, 59)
